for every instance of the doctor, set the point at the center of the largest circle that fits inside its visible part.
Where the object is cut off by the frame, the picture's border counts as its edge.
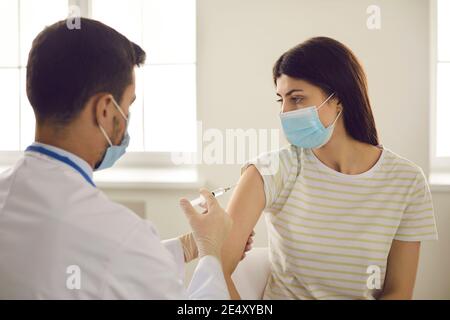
(60, 237)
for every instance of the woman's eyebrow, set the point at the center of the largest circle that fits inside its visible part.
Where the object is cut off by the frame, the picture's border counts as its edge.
(290, 92)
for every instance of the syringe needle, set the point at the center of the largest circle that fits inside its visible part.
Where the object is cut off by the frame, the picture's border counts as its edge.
(216, 193)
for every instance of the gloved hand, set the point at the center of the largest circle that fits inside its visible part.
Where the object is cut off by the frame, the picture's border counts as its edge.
(190, 247)
(209, 229)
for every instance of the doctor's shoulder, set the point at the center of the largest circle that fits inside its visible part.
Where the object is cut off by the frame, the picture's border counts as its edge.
(110, 219)
(118, 210)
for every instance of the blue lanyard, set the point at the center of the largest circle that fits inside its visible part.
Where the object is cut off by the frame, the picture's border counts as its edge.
(63, 159)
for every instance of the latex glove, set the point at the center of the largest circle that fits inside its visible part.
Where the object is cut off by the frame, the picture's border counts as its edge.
(209, 229)
(248, 245)
(190, 247)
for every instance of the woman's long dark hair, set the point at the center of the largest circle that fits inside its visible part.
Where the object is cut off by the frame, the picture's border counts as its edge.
(330, 65)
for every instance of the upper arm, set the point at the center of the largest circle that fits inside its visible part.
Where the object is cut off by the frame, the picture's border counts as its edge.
(418, 222)
(245, 208)
(259, 187)
(401, 270)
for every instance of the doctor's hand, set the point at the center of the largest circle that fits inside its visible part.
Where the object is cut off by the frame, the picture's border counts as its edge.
(209, 229)
(190, 247)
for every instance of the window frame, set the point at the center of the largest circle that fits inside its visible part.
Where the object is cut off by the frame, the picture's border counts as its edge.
(131, 160)
(438, 165)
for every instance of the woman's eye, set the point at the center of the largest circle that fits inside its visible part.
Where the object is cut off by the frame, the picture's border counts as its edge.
(297, 100)
(280, 100)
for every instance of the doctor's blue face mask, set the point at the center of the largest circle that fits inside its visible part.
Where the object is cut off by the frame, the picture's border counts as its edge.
(304, 129)
(113, 153)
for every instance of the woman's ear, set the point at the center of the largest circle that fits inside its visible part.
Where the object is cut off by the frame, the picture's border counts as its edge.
(339, 104)
(335, 98)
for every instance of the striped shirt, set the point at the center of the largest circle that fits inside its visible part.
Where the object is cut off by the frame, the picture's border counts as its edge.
(330, 233)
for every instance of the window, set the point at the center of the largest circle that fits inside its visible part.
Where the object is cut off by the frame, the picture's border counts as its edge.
(440, 157)
(164, 114)
(20, 22)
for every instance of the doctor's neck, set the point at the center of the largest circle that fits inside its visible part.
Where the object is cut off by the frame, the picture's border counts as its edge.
(75, 138)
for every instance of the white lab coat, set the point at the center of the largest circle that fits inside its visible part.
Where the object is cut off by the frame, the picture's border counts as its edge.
(52, 219)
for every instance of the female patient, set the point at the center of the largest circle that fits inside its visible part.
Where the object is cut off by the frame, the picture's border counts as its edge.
(345, 215)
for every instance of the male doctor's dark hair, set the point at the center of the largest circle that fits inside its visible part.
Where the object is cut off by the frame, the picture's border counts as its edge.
(67, 66)
(331, 66)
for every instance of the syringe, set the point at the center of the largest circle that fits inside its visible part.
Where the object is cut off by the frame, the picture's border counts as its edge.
(216, 193)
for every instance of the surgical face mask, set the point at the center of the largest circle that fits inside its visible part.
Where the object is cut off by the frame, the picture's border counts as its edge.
(113, 153)
(304, 129)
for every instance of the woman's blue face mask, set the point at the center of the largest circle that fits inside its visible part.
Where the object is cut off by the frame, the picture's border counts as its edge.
(113, 153)
(304, 129)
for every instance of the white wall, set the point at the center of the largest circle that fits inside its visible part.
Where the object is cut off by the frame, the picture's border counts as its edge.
(238, 42)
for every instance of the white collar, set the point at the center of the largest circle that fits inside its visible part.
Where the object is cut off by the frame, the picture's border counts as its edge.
(80, 162)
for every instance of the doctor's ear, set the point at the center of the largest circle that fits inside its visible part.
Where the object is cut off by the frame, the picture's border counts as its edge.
(102, 109)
